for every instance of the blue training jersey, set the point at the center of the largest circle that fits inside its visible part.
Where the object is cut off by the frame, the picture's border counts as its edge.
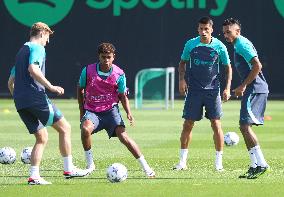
(121, 81)
(202, 69)
(27, 91)
(12, 72)
(244, 52)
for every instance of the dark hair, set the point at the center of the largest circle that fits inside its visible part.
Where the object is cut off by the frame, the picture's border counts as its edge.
(106, 48)
(232, 21)
(205, 20)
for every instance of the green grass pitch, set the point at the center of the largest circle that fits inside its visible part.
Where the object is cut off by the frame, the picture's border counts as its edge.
(157, 133)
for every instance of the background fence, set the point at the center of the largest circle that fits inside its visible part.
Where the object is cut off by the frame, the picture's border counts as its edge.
(146, 33)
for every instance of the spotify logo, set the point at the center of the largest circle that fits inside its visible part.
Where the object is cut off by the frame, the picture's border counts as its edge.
(27, 12)
(280, 6)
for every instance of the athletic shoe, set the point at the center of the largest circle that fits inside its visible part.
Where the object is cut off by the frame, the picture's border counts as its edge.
(258, 172)
(179, 167)
(248, 173)
(91, 168)
(150, 173)
(38, 181)
(76, 172)
(220, 169)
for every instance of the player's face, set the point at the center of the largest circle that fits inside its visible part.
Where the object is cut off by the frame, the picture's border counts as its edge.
(231, 32)
(106, 59)
(205, 31)
(44, 38)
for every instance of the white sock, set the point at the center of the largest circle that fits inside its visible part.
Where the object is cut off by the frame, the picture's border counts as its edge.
(89, 157)
(67, 163)
(253, 161)
(259, 156)
(219, 159)
(34, 172)
(183, 156)
(143, 163)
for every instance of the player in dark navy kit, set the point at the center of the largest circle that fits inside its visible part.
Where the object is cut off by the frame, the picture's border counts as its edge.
(199, 80)
(254, 92)
(34, 107)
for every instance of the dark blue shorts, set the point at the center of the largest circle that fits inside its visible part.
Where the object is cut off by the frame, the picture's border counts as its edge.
(107, 120)
(40, 116)
(195, 101)
(252, 108)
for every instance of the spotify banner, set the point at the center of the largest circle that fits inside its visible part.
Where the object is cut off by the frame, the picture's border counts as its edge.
(146, 33)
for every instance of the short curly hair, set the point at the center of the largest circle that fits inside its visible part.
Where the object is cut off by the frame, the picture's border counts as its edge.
(106, 48)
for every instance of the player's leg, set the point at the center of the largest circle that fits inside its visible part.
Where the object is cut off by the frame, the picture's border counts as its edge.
(212, 102)
(36, 128)
(218, 138)
(193, 110)
(134, 149)
(252, 112)
(88, 123)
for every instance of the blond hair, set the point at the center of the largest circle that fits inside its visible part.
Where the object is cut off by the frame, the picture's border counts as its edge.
(40, 27)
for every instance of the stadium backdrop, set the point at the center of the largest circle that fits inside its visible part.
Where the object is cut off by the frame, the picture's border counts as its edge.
(146, 33)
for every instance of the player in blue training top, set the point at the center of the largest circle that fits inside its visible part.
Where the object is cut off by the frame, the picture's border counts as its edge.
(254, 92)
(199, 80)
(11, 80)
(34, 107)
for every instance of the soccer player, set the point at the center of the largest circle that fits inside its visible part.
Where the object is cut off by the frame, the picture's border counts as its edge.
(101, 86)
(11, 80)
(34, 107)
(254, 92)
(199, 80)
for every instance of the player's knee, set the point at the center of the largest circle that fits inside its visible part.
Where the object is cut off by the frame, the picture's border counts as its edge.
(42, 139)
(187, 126)
(86, 129)
(122, 135)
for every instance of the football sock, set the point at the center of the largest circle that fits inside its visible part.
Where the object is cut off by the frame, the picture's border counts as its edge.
(143, 163)
(253, 161)
(34, 171)
(67, 163)
(259, 156)
(183, 156)
(89, 157)
(218, 161)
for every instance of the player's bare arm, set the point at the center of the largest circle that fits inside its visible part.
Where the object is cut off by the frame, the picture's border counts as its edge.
(125, 103)
(11, 84)
(256, 68)
(36, 73)
(226, 92)
(182, 82)
(80, 98)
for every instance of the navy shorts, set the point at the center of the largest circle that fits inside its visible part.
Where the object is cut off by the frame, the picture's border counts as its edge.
(40, 116)
(252, 108)
(107, 120)
(195, 101)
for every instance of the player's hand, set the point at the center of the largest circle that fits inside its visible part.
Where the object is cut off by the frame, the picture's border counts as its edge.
(57, 89)
(131, 119)
(182, 87)
(226, 95)
(239, 91)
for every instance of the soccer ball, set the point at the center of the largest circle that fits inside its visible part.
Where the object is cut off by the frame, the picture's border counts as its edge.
(7, 155)
(231, 138)
(116, 173)
(26, 155)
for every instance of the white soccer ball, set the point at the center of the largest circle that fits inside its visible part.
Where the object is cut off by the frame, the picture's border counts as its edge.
(7, 155)
(231, 138)
(26, 155)
(116, 173)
